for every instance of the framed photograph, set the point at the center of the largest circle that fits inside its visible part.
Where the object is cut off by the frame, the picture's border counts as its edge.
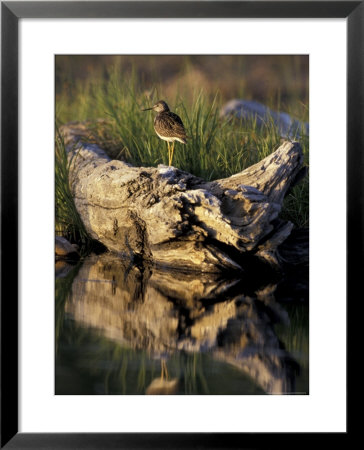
(194, 171)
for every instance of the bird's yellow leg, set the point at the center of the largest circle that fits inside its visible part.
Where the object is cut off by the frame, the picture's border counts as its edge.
(164, 370)
(172, 151)
(169, 154)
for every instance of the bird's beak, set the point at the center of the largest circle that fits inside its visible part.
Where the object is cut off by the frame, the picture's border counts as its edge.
(147, 109)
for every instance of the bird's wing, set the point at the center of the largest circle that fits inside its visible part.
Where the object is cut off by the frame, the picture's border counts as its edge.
(171, 124)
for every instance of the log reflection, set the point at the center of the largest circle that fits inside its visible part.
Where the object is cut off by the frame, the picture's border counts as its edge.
(163, 312)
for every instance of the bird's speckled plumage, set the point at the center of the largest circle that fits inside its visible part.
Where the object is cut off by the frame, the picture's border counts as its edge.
(168, 125)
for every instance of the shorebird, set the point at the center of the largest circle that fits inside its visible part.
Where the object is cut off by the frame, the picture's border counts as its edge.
(168, 127)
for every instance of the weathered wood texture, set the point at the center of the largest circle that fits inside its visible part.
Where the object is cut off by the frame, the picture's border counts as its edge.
(175, 219)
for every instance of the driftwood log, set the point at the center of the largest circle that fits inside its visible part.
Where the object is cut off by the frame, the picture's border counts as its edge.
(174, 219)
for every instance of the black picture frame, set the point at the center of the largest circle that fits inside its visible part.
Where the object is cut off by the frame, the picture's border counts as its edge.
(11, 12)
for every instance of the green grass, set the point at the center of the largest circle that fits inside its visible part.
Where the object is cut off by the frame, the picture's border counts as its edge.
(216, 147)
(67, 220)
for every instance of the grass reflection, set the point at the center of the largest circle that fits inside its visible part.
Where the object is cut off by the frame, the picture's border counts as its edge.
(62, 289)
(96, 365)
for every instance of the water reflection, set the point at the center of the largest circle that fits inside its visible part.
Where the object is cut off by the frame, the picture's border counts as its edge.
(125, 329)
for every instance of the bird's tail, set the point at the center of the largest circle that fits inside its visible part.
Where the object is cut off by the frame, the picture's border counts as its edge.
(183, 140)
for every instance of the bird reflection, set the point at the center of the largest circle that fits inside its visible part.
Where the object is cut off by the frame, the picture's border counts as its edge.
(163, 385)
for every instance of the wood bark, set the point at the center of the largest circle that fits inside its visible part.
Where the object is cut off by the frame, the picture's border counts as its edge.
(175, 219)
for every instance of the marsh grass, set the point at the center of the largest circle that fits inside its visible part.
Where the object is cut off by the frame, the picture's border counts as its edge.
(67, 220)
(216, 147)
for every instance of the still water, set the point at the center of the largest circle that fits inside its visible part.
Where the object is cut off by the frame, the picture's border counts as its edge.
(124, 329)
